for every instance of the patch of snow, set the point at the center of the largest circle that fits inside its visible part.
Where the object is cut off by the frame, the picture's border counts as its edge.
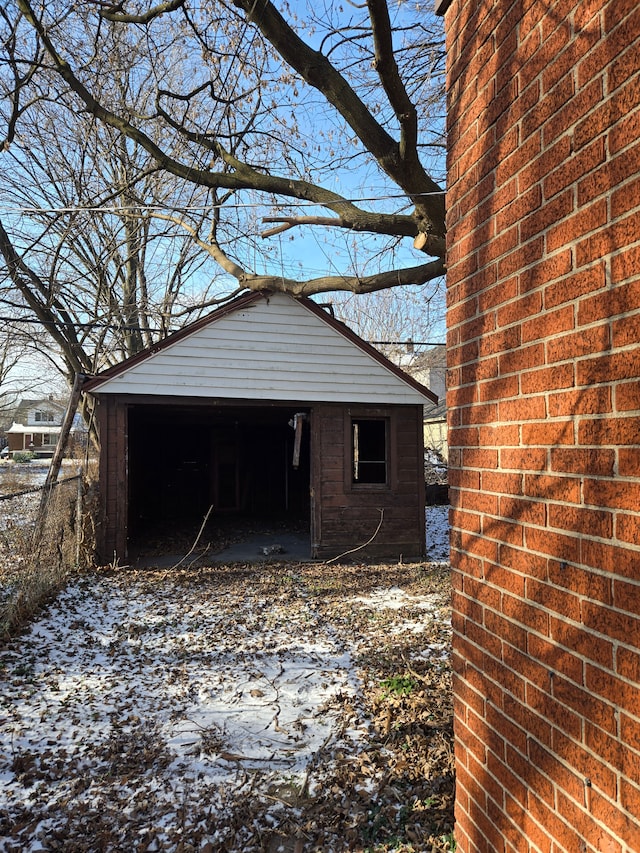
(437, 533)
(394, 599)
(255, 696)
(149, 696)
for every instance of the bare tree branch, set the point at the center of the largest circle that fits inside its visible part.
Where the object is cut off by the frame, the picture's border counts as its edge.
(115, 13)
(316, 69)
(356, 284)
(242, 176)
(30, 284)
(374, 224)
(19, 81)
(387, 68)
(233, 105)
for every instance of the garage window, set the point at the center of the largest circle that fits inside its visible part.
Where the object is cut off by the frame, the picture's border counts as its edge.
(370, 452)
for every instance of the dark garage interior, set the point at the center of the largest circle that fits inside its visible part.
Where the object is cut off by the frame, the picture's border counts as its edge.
(250, 463)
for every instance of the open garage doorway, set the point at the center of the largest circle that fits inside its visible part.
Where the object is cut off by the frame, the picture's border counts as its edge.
(245, 467)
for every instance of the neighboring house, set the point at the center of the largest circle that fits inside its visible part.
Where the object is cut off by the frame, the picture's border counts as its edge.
(36, 426)
(543, 331)
(430, 369)
(267, 408)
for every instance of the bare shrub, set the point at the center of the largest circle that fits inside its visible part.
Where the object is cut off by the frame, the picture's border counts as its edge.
(43, 539)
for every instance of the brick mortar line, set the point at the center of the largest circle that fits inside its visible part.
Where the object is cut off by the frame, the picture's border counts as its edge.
(576, 330)
(599, 758)
(556, 786)
(568, 533)
(528, 682)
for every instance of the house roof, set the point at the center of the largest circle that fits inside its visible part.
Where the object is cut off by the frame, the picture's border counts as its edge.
(46, 404)
(264, 346)
(18, 428)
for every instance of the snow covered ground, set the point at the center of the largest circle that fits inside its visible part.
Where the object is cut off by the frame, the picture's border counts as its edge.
(437, 533)
(123, 676)
(215, 709)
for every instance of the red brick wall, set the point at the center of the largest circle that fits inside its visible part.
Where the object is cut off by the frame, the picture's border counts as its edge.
(544, 397)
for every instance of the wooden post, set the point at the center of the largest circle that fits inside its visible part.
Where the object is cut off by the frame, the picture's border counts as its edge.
(79, 516)
(298, 421)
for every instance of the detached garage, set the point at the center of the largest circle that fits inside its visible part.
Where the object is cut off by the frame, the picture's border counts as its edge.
(266, 411)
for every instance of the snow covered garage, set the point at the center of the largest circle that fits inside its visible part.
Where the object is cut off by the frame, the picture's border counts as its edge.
(268, 410)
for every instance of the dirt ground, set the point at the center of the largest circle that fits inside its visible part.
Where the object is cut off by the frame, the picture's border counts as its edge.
(114, 735)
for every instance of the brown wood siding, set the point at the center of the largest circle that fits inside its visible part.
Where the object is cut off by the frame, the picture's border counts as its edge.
(112, 531)
(347, 516)
(342, 516)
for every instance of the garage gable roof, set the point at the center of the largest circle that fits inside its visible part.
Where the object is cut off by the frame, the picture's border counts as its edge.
(270, 347)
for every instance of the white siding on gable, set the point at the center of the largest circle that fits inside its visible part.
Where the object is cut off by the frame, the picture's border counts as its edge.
(275, 349)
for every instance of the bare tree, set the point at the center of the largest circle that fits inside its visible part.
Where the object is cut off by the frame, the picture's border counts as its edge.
(25, 365)
(400, 322)
(329, 120)
(10, 357)
(86, 254)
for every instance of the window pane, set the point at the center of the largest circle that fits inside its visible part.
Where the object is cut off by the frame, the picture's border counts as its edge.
(369, 451)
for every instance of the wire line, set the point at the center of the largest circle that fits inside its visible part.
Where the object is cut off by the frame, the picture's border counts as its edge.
(193, 208)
